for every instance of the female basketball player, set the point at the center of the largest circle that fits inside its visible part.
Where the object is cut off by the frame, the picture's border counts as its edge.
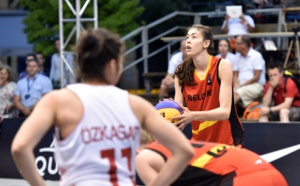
(204, 82)
(213, 164)
(97, 125)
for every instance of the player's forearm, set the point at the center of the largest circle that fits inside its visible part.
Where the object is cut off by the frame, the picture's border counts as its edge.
(171, 171)
(24, 160)
(216, 114)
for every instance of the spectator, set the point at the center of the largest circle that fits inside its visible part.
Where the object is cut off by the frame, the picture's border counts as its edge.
(7, 88)
(31, 88)
(224, 51)
(248, 72)
(204, 83)
(167, 84)
(29, 57)
(55, 71)
(238, 26)
(41, 61)
(284, 93)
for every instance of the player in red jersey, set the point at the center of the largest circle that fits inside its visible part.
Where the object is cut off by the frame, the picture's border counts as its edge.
(204, 83)
(97, 125)
(213, 164)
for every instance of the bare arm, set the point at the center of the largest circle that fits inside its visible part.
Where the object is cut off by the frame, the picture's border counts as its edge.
(20, 106)
(168, 80)
(286, 104)
(168, 135)
(148, 164)
(169, 76)
(249, 27)
(268, 96)
(224, 29)
(255, 78)
(29, 134)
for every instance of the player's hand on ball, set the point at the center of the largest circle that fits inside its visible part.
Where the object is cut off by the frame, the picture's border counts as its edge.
(183, 119)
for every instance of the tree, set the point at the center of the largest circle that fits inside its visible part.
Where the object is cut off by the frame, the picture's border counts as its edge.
(42, 21)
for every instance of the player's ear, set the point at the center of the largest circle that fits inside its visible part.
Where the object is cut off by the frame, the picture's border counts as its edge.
(206, 43)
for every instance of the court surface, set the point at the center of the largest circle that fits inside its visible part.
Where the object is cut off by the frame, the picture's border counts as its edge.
(20, 182)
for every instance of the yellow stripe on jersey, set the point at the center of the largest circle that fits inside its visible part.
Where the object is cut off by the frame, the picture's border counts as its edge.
(202, 161)
(216, 151)
(203, 126)
(206, 70)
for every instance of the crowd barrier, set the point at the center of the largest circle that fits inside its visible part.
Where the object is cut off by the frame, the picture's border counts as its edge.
(278, 143)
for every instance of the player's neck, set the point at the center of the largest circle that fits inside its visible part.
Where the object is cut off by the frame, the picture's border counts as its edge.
(201, 61)
(96, 82)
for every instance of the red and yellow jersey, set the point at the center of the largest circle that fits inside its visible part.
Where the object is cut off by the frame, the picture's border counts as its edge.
(215, 163)
(203, 95)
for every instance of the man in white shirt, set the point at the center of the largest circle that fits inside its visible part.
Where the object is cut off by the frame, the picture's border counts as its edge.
(55, 72)
(248, 72)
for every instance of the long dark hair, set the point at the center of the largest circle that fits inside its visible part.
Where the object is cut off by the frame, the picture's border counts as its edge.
(185, 70)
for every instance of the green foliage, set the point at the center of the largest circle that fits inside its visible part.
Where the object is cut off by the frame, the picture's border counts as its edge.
(42, 21)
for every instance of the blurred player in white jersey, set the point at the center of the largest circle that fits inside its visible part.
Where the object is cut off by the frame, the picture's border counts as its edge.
(97, 125)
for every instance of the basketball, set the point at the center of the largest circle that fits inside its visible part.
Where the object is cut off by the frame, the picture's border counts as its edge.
(168, 109)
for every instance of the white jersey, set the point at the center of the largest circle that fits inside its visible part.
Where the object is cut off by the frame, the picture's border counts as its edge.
(102, 148)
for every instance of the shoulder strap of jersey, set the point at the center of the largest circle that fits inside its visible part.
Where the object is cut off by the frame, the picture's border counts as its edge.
(218, 77)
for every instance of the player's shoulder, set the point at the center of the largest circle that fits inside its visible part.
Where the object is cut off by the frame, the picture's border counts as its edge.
(137, 100)
(225, 63)
(59, 96)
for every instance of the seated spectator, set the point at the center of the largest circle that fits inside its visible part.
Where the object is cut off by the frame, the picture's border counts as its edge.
(248, 72)
(238, 26)
(29, 57)
(167, 84)
(31, 88)
(284, 93)
(7, 88)
(224, 50)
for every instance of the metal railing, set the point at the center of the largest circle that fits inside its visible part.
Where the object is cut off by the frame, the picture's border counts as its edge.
(146, 41)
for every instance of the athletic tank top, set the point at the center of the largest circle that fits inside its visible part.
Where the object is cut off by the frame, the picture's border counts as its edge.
(203, 95)
(212, 162)
(102, 148)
